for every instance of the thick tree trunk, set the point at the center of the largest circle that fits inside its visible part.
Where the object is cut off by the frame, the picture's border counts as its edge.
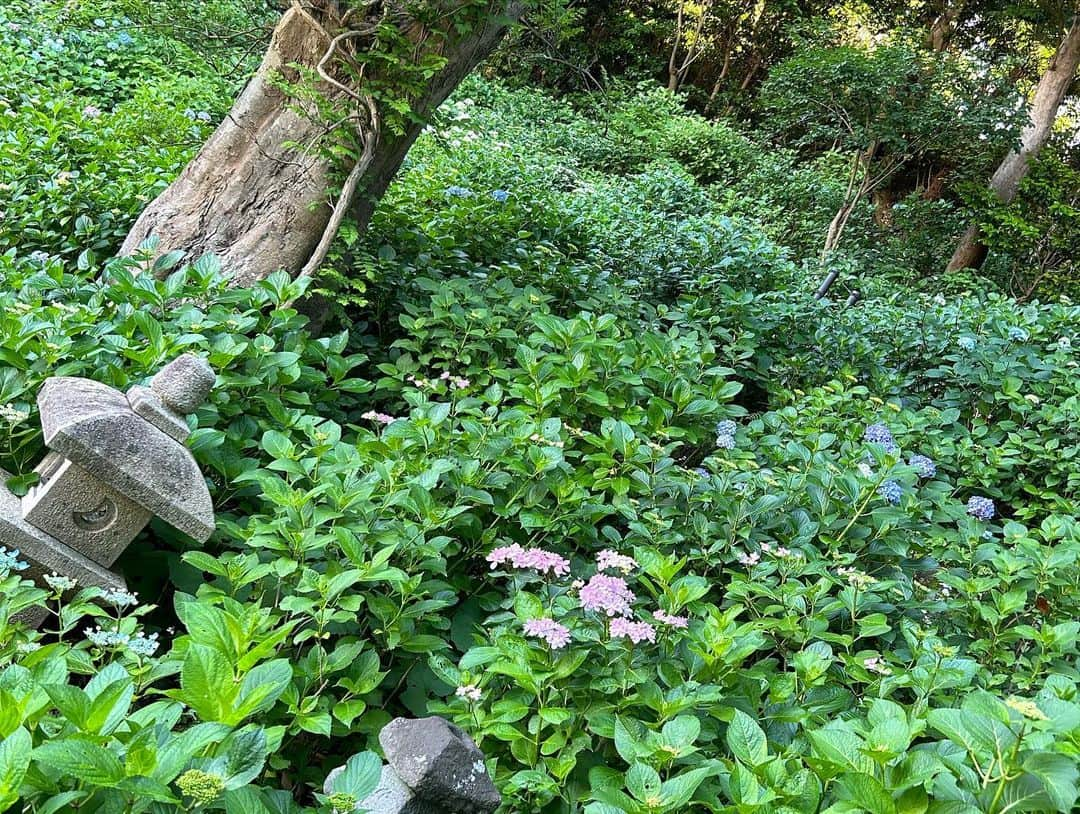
(258, 194)
(1049, 94)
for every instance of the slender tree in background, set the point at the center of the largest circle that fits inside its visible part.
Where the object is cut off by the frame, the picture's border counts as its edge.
(688, 40)
(343, 90)
(1049, 94)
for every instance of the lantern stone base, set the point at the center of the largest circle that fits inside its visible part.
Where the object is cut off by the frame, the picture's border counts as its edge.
(44, 553)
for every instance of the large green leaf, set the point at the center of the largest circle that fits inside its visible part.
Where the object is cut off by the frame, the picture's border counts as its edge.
(746, 739)
(81, 759)
(14, 761)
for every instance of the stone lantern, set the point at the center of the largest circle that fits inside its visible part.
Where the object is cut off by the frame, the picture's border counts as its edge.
(115, 461)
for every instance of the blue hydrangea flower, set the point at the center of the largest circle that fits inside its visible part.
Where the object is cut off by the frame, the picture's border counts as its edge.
(891, 491)
(726, 427)
(9, 560)
(124, 38)
(1017, 334)
(143, 645)
(500, 195)
(966, 343)
(458, 192)
(880, 434)
(925, 467)
(725, 441)
(981, 508)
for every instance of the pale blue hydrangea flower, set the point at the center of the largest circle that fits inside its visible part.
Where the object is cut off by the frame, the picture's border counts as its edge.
(500, 195)
(9, 560)
(105, 638)
(966, 343)
(458, 192)
(726, 427)
(120, 598)
(59, 583)
(725, 442)
(1017, 334)
(143, 645)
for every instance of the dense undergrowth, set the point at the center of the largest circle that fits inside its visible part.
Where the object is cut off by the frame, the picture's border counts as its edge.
(588, 472)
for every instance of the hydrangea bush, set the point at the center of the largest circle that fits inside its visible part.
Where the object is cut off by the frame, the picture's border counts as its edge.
(590, 473)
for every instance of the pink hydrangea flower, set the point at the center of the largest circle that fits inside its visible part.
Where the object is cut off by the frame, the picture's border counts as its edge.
(382, 418)
(608, 560)
(670, 619)
(748, 560)
(536, 559)
(504, 554)
(557, 636)
(469, 691)
(608, 594)
(876, 664)
(636, 632)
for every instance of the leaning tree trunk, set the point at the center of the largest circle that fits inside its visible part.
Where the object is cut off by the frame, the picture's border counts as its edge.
(258, 194)
(1050, 93)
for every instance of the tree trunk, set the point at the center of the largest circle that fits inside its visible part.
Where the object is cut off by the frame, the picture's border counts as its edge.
(941, 30)
(1049, 94)
(258, 194)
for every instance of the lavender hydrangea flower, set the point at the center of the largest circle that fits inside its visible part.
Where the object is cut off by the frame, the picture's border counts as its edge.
(610, 560)
(557, 636)
(891, 491)
(607, 594)
(536, 559)
(880, 434)
(665, 618)
(636, 632)
(923, 465)
(981, 508)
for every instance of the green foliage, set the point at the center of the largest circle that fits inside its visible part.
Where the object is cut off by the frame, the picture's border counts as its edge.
(94, 121)
(579, 332)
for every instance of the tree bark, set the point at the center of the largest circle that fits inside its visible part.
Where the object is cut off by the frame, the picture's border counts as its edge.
(258, 194)
(1049, 94)
(941, 30)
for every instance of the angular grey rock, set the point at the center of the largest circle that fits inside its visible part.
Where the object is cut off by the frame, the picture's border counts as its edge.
(184, 383)
(391, 796)
(93, 425)
(440, 764)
